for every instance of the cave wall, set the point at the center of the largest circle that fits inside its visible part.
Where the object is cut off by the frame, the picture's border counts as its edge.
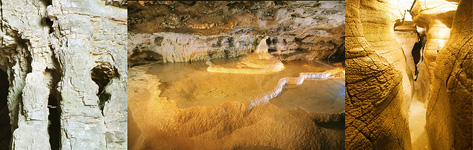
(435, 16)
(449, 111)
(376, 50)
(377, 85)
(49, 50)
(378, 22)
(191, 31)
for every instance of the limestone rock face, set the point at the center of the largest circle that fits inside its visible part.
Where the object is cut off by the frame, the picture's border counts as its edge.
(449, 111)
(375, 103)
(190, 31)
(66, 68)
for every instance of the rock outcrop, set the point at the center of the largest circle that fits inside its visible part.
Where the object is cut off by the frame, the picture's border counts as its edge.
(66, 69)
(449, 109)
(259, 62)
(380, 70)
(183, 32)
(375, 88)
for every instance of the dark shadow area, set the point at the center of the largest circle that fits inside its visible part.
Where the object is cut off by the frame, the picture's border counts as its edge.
(5, 128)
(55, 124)
(101, 75)
(336, 122)
(339, 55)
(332, 125)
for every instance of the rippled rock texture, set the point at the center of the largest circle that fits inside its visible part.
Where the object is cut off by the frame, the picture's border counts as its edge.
(380, 85)
(63, 62)
(190, 31)
(449, 109)
(374, 85)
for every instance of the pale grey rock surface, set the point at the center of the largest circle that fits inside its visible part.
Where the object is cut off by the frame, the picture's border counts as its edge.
(70, 55)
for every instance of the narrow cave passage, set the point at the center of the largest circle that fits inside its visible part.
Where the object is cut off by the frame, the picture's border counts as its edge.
(412, 39)
(5, 128)
(55, 124)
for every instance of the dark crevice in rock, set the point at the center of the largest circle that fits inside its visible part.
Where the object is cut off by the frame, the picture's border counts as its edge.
(54, 106)
(5, 127)
(54, 122)
(101, 75)
(339, 55)
(47, 2)
(158, 40)
(48, 22)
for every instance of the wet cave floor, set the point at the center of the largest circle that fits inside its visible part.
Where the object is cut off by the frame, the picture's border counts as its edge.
(194, 108)
(191, 85)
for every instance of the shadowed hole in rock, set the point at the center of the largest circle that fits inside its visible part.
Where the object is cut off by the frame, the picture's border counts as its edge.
(54, 126)
(101, 75)
(144, 56)
(5, 127)
(54, 122)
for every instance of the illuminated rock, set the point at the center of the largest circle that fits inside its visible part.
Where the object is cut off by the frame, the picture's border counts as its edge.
(266, 97)
(229, 125)
(435, 16)
(449, 109)
(376, 78)
(259, 62)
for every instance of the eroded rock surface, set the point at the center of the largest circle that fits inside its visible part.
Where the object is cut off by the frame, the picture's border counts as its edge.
(436, 17)
(259, 62)
(374, 98)
(49, 50)
(449, 111)
(380, 68)
(183, 32)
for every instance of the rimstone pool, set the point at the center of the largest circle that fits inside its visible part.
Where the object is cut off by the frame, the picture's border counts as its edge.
(190, 84)
(203, 103)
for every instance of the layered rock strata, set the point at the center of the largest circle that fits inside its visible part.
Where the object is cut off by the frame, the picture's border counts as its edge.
(183, 32)
(66, 68)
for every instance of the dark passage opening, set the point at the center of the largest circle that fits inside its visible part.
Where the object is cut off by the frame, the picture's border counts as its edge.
(55, 124)
(101, 75)
(5, 128)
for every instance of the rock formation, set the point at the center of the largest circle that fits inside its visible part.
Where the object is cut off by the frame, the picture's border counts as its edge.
(375, 90)
(183, 32)
(449, 109)
(259, 62)
(230, 125)
(382, 97)
(66, 74)
(436, 17)
(264, 34)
